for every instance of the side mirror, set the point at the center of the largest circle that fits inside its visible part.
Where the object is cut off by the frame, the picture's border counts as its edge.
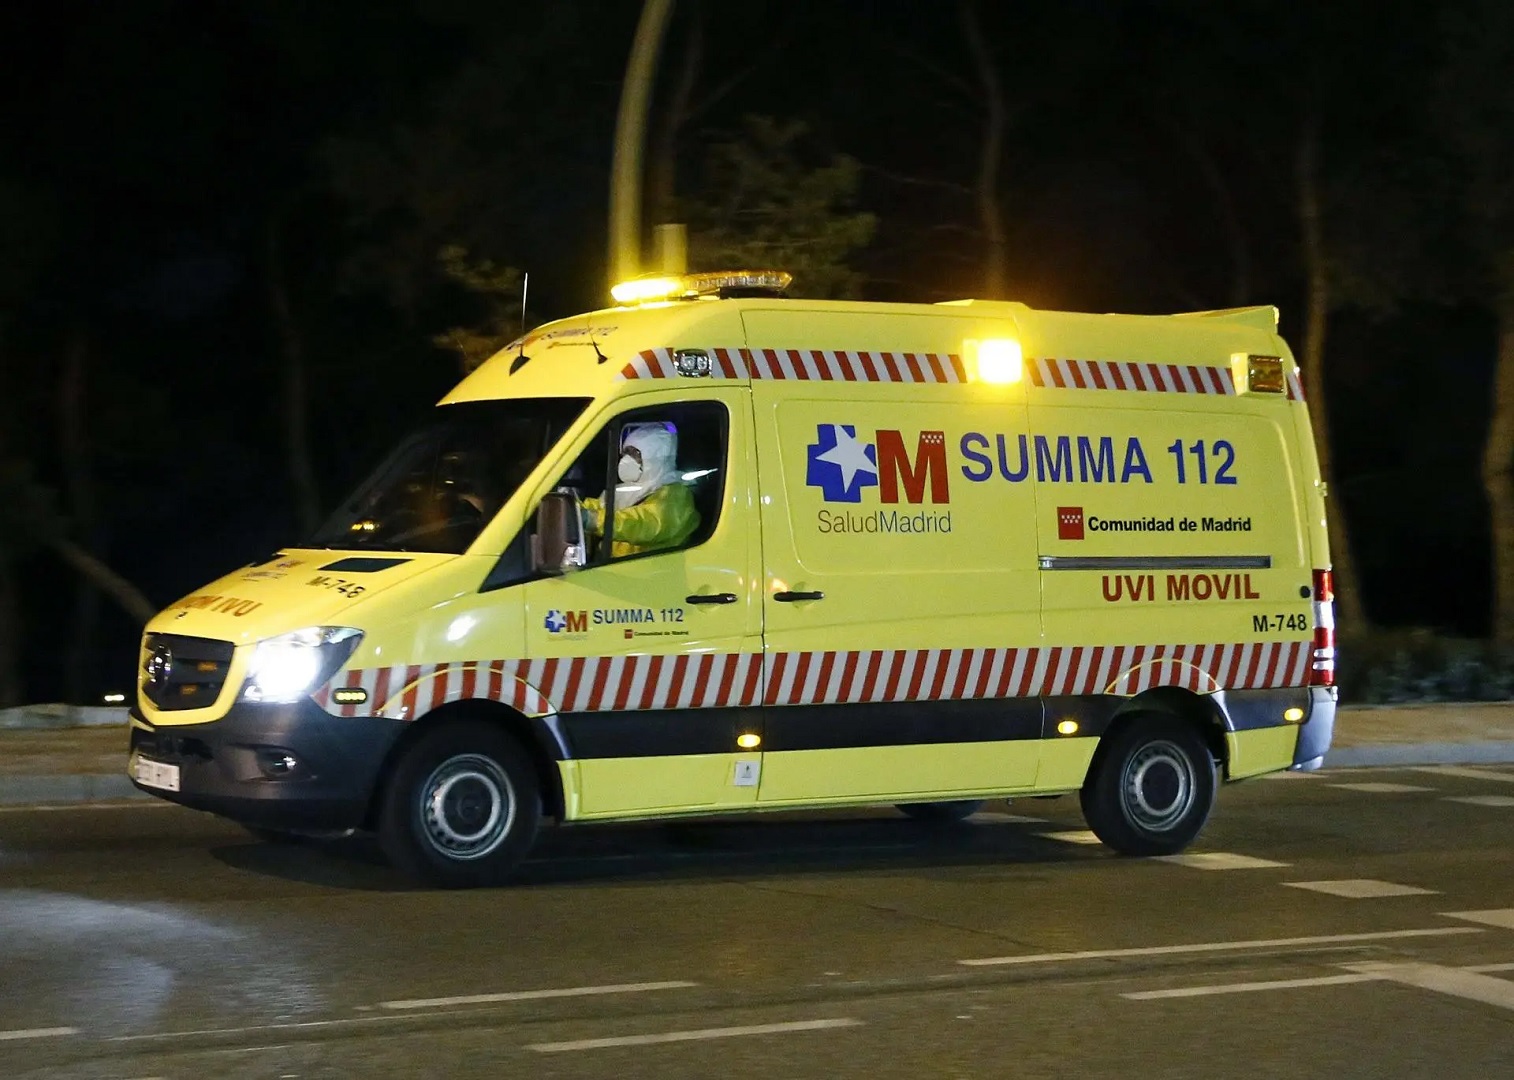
(560, 547)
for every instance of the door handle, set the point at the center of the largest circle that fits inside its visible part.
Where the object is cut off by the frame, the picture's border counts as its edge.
(787, 597)
(711, 598)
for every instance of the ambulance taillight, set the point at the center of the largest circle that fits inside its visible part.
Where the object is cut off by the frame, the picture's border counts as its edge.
(1322, 662)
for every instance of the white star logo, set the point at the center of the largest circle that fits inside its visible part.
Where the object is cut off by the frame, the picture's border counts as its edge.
(850, 455)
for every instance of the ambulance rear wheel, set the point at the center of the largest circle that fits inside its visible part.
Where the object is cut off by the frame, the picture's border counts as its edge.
(462, 806)
(1151, 787)
(942, 812)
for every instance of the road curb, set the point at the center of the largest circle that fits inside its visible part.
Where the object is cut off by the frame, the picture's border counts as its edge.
(77, 788)
(47, 717)
(1411, 754)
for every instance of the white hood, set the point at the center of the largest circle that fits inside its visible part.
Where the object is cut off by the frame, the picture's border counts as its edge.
(658, 446)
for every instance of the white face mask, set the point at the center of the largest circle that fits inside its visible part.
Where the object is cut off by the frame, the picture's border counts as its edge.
(629, 469)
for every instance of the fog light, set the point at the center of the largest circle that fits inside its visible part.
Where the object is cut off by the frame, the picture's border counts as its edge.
(278, 764)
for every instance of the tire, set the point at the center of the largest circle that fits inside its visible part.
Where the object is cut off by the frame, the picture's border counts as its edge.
(1151, 788)
(461, 807)
(942, 813)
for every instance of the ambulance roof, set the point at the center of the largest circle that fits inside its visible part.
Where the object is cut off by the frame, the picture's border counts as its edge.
(587, 355)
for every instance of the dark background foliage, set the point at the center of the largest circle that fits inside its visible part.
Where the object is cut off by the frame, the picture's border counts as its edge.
(202, 201)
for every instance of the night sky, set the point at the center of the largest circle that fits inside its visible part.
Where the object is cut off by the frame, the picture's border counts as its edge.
(169, 169)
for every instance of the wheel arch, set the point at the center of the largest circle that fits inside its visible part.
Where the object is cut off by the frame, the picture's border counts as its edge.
(1200, 711)
(532, 735)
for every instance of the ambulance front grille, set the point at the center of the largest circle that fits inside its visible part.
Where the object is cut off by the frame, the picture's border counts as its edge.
(181, 672)
(169, 747)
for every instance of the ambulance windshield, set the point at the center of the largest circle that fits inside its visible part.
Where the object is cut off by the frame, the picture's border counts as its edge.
(443, 483)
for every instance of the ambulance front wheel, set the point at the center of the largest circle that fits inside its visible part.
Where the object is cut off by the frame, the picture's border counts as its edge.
(461, 807)
(942, 812)
(1151, 787)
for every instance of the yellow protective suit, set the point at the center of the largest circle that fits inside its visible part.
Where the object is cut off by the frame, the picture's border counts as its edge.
(664, 519)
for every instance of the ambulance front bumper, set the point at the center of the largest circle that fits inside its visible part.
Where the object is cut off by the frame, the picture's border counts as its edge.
(273, 766)
(1317, 730)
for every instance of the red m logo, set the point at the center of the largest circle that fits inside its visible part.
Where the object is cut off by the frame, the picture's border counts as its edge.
(896, 467)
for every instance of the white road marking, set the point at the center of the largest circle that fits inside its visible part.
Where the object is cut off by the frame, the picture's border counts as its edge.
(1212, 946)
(1076, 836)
(1380, 788)
(1289, 776)
(1248, 987)
(996, 816)
(1466, 772)
(1360, 888)
(1503, 918)
(1443, 980)
(1362, 973)
(265, 1029)
(534, 995)
(1482, 800)
(693, 1036)
(37, 1033)
(1219, 860)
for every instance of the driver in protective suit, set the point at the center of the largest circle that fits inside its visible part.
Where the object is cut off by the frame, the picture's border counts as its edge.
(654, 508)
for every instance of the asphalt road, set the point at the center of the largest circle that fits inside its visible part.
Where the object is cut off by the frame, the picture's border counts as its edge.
(1347, 923)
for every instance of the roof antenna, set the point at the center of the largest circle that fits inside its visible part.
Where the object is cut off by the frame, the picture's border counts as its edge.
(521, 359)
(600, 356)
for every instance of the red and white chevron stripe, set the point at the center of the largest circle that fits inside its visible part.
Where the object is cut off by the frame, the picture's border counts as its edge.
(1145, 377)
(570, 684)
(1132, 375)
(720, 680)
(966, 674)
(808, 365)
(822, 365)
(403, 692)
(825, 366)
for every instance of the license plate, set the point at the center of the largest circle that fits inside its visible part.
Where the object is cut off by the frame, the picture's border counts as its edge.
(155, 774)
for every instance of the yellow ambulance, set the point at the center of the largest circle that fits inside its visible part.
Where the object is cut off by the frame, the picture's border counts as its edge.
(715, 550)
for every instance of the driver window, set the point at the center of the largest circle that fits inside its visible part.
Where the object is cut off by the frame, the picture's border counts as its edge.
(651, 480)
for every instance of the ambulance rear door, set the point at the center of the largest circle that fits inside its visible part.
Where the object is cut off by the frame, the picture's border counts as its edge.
(1171, 511)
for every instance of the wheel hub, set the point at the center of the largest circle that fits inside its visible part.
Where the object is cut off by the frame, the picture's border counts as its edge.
(1158, 786)
(467, 807)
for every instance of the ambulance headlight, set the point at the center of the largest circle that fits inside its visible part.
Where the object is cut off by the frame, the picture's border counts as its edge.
(287, 667)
